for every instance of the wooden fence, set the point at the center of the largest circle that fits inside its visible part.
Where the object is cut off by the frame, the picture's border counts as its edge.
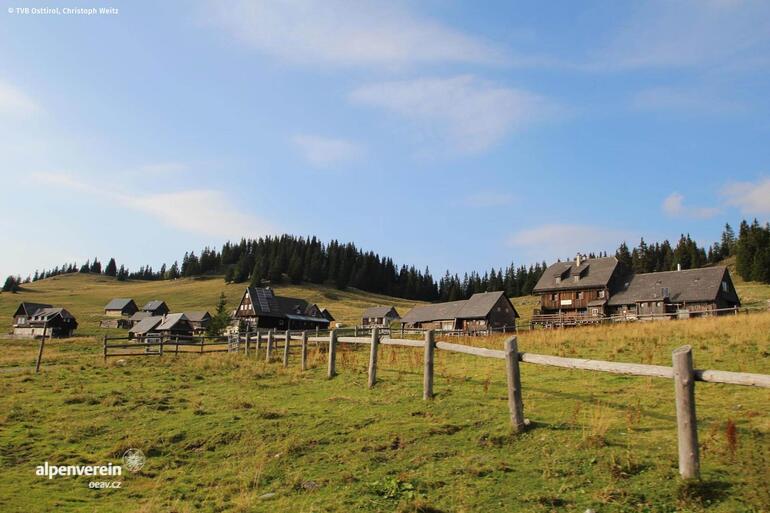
(681, 372)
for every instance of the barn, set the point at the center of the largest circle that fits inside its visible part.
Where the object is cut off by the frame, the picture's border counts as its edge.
(121, 307)
(480, 313)
(34, 320)
(380, 316)
(156, 307)
(261, 308)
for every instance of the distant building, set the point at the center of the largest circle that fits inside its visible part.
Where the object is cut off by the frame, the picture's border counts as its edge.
(380, 316)
(326, 314)
(121, 307)
(199, 321)
(482, 312)
(599, 287)
(35, 319)
(145, 327)
(261, 308)
(171, 325)
(138, 316)
(156, 307)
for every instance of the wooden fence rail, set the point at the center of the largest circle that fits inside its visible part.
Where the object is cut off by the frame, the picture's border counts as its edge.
(681, 372)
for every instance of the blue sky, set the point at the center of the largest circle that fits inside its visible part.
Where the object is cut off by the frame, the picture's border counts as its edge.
(455, 135)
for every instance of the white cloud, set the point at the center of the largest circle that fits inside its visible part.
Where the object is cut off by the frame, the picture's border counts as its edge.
(752, 198)
(488, 199)
(673, 206)
(16, 103)
(471, 114)
(689, 33)
(325, 152)
(551, 241)
(204, 211)
(339, 33)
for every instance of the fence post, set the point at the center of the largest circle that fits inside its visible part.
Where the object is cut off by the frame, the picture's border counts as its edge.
(160, 347)
(303, 358)
(427, 377)
(332, 354)
(269, 346)
(515, 404)
(259, 343)
(373, 357)
(687, 424)
(104, 342)
(248, 341)
(286, 349)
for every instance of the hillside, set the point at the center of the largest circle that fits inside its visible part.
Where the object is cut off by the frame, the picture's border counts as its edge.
(85, 296)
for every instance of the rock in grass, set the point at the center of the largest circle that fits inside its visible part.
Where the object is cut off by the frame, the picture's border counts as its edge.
(267, 496)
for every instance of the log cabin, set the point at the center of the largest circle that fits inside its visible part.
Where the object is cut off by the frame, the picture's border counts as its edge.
(33, 320)
(481, 313)
(156, 307)
(199, 321)
(592, 289)
(380, 316)
(170, 326)
(261, 308)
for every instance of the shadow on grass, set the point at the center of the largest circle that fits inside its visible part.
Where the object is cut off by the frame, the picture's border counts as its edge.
(703, 493)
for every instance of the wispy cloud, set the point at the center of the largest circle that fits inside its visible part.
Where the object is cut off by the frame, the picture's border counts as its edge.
(15, 102)
(204, 211)
(339, 33)
(563, 240)
(488, 199)
(752, 198)
(688, 33)
(326, 152)
(674, 206)
(469, 113)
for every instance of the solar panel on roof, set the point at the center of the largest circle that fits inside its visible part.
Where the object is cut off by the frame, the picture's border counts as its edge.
(262, 298)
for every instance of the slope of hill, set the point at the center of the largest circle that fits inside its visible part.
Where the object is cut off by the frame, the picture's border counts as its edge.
(85, 296)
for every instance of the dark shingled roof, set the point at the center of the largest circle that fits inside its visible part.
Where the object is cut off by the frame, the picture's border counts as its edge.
(266, 303)
(479, 305)
(592, 273)
(29, 309)
(119, 303)
(197, 316)
(691, 286)
(378, 311)
(46, 314)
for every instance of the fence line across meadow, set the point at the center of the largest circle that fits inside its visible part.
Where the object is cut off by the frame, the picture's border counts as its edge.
(682, 372)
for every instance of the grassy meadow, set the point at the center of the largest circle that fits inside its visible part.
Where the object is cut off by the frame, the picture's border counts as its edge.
(230, 433)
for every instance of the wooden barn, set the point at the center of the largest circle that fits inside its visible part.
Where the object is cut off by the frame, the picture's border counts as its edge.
(34, 319)
(156, 307)
(137, 317)
(482, 312)
(121, 307)
(261, 308)
(380, 316)
(586, 289)
(171, 326)
(199, 321)
(145, 327)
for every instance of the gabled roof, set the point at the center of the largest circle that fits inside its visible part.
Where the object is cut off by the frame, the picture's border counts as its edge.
(479, 305)
(692, 285)
(46, 314)
(266, 303)
(197, 316)
(171, 320)
(379, 311)
(153, 305)
(119, 303)
(146, 325)
(28, 309)
(138, 316)
(591, 273)
(326, 314)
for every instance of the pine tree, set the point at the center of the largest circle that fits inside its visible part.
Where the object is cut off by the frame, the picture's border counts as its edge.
(11, 284)
(111, 269)
(221, 318)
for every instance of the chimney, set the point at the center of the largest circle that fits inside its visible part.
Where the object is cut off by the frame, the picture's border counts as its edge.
(578, 259)
(678, 267)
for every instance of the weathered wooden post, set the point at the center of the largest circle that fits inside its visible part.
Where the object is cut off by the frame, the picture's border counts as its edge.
(515, 404)
(427, 377)
(269, 346)
(355, 330)
(332, 354)
(160, 347)
(248, 342)
(373, 356)
(40, 351)
(259, 343)
(303, 357)
(286, 345)
(104, 342)
(687, 424)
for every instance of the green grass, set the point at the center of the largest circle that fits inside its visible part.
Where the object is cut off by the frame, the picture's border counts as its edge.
(221, 431)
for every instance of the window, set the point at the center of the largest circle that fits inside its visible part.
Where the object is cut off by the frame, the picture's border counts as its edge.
(580, 295)
(724, 286)
(601, 294)
(555, 296)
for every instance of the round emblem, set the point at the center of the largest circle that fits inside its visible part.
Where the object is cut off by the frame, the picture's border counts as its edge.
(133, 459)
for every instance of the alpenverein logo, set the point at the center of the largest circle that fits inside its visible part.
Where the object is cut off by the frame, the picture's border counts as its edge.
(133, 460)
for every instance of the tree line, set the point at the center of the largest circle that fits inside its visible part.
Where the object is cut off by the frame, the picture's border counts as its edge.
(272, 260)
